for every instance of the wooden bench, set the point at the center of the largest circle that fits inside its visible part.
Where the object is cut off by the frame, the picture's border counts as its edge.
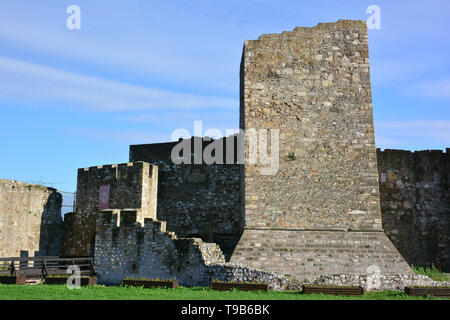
(442, 292)
(225, 286)
(335, 290)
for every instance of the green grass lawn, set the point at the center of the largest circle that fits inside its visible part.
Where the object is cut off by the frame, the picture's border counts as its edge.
(61, 292)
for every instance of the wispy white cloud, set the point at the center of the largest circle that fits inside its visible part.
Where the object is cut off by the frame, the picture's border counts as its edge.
(148, 55)
(434, 89)
(387, 142)
(438, 129)
(123, 136)
(386, 72)
(37, 84)
(398, 134)
(185, 117)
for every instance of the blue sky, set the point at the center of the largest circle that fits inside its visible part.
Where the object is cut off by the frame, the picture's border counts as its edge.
(137, 70)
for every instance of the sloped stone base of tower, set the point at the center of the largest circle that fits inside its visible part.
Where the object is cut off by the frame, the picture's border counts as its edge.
(302, 253)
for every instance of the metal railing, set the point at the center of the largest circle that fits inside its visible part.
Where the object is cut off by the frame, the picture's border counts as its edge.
(69, 203)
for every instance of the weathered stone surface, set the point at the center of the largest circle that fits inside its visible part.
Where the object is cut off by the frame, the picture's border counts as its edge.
(374, 282)
(297, 253)
(415, 204)
(235, 272)
(320, 213)
(127, 249)
(323, 108)
(30, 219)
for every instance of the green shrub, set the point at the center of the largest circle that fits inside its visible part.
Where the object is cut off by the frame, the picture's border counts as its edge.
(432, 272)
(291, 156)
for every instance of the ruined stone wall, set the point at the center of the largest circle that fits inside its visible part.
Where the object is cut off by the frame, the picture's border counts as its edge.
(126, 248)
(30, 219)
(196, 200)
(313, 85)
(132, 185)
(415, 204)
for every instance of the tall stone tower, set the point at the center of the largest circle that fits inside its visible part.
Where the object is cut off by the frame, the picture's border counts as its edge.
(320, 213)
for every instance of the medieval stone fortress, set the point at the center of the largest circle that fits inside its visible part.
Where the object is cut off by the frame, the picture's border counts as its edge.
(337, 210)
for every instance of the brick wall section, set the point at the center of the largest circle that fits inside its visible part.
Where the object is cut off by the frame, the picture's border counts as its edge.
(196, 200)
(30, 219)
(415, 204)
(132, 185)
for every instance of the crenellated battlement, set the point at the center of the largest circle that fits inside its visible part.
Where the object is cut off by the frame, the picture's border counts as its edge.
(111, 171)
(118, 218)
(430, 151)
(115, 186)
(110, 166)
(417, 152)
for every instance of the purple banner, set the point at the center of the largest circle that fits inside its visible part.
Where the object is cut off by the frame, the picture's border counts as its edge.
(103, 202)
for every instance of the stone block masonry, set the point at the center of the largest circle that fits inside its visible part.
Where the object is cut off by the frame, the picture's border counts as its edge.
(30, 219)
(125, 248)
(216, 189)
(196, 200)
(131, 185)
(313, 85)
(308, 253)
(320, 212)
(415, 204)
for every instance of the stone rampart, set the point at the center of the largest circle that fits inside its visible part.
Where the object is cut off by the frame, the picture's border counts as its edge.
(30, 219)
(415, 204)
